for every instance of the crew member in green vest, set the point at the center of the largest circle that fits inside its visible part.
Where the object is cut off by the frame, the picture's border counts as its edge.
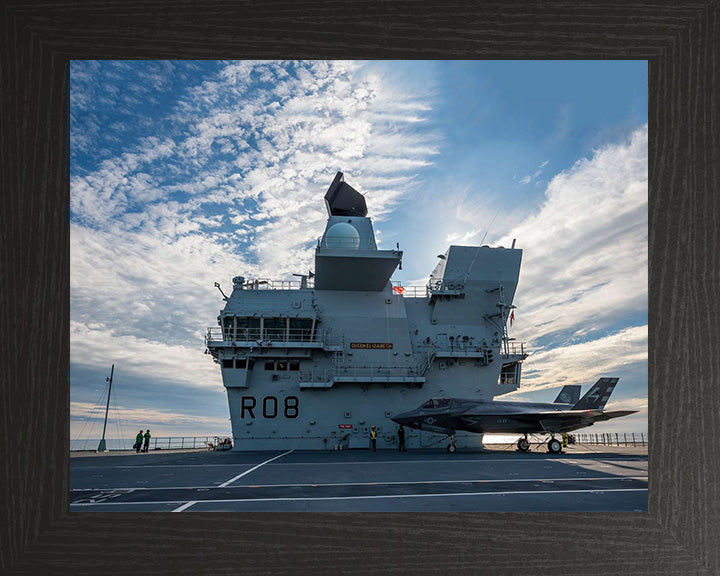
(138, 441)
(147, 441)
(373, 436)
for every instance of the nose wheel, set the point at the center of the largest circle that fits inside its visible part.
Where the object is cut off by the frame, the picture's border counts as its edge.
(451, 447)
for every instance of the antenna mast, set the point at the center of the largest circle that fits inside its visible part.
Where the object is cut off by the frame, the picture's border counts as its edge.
(101, 446)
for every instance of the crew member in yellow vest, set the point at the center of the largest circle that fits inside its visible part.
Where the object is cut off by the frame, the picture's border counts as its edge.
(373, 436)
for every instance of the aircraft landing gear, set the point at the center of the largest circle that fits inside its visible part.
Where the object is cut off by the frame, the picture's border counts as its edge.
(523, 445)
(451, 447)
(554, 446)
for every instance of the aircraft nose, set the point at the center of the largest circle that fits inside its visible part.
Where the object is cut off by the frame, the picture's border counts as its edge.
(404, 418)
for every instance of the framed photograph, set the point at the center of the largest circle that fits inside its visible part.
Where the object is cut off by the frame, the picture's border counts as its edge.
(677, 532)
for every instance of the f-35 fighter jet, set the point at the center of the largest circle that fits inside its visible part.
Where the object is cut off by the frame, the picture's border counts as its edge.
(567, 413)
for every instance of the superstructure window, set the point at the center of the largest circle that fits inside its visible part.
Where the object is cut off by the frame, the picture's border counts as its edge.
(269, 365)
(247, 328)
(241, 363)
(228, 363)
(275, 329)
(301, 329)
(282, 365)
(294, 365)
(228, 327)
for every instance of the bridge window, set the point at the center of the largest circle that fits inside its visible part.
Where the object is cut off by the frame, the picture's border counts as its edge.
(281, 365)
(294, 365)
(241, 363)
(269, 365)
(510, 374)
(227, 363)
(228, 327)
(247, 328)
(301, 329)
(275, 328)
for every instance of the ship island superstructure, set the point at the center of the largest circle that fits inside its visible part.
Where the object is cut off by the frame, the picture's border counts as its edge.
(313, 363)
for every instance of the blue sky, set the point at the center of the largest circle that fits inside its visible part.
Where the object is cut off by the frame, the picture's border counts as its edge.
(184, 173)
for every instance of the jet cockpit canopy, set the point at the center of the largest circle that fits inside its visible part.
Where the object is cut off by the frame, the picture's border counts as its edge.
(436, 403)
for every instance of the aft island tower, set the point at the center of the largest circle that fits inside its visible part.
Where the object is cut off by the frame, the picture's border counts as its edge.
(314, 363)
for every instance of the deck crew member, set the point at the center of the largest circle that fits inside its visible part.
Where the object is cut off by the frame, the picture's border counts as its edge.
(373, 437)
(138, 442)
(147, 441)
(401, 438)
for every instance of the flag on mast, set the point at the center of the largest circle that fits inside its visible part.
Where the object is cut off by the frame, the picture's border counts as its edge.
(512, 317)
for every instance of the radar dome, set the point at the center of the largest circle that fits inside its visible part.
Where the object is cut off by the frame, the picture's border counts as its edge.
(342, 235)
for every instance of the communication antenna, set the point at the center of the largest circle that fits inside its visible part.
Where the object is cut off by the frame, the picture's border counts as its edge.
(490, 226)
(467, 274)
(217, 285)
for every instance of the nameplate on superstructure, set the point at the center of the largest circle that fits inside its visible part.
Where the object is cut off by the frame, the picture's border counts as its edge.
(371, 345)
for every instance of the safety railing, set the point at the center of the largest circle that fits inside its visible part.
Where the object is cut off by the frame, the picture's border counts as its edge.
(358, 372)
(409, 291)
(445, 286)
(339, 369)
(218, 334)
(156, 443)
(433, 287)
(514, 348)
(612, 438)
(267, 284)
(375, 371)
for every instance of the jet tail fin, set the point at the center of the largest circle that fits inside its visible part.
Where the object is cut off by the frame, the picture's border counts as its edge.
(598, 395)
(569, 394)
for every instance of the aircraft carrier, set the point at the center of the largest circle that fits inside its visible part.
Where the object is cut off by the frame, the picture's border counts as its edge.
(316, 362)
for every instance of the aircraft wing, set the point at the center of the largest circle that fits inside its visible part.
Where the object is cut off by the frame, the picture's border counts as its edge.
(566, 421)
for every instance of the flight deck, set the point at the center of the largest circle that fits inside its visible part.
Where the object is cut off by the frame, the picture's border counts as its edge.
(498, 479)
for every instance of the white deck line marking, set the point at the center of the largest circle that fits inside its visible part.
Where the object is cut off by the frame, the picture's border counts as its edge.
(389, 483)
(252, 469)
(573, 460)
(185, 506)
(451, 494)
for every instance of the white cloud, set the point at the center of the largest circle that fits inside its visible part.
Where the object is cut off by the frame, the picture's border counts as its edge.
(137, 357)
(585, 362)
(585, 251)
(535, 175)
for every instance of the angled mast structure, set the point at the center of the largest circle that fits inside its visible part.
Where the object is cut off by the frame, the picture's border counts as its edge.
(101, 447)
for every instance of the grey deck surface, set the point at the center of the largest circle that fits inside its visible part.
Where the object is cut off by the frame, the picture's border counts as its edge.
(582, 479)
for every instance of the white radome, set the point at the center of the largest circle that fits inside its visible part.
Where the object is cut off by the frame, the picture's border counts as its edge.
(342, 235)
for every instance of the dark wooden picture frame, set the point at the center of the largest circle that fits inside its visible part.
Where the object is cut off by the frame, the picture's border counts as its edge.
(680, 534)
